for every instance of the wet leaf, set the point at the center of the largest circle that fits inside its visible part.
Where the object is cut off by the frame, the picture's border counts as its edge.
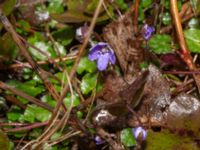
(13, 116)
(34, 112)
(193, 39)
(56, 6)
(29, 114)
(166, 19)
(127, 137)
(42, 114)
(28, 87)
(88, 83)
(161, 44)
(194, 23)
(48, 99)
(86, 65)
(67, 101)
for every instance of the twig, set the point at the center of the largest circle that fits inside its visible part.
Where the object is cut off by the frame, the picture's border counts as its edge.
(26, 96)
(15, 101)
(41, 73)
(184, 52)
(81, 51)
(135, 16)
(26, 64)
(28, 127)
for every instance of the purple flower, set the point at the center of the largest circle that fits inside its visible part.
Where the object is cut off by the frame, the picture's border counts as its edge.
(139, 133)
(103, 53)
(98, 140)
(147, 31)
(81, 33)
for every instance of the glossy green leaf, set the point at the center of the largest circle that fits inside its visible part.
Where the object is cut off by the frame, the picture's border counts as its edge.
(29, 114)
(56, 6)
(28, 87)
(42, 114)
(86, 65)
(194, 23)
(67, 101)
(161, 44)
(88, 83)
(127, 137)
(13, 116)
(34, 112)
(193, 39)
(166, 19)
(48, 99)
(4, 141)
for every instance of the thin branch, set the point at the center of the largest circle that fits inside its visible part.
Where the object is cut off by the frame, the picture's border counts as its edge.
(41, 73)
(26, 96)
(184, 52)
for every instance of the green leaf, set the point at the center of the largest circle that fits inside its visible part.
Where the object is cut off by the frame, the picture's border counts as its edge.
(121, 4)
(28, 87)
(86, 65)
(88, 83)
(56, 6)
(48, 99)
(127, 138)
(67, 101)
(29, 114)
(166, 19)
(34, 112)
(194, 23)
(146, 3)
(64, 35)
(4, 141)
(193, 40)
(160, 44)
(13, 116)
(42, 114)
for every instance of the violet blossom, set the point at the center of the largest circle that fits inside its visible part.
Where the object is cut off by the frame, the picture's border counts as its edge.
(103, 53)
(147, 31)
(139, 133)
(98, 140)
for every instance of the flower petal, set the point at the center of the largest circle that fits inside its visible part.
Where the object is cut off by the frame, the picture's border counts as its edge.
(102, 62)
(112, 57)
(98, 47)
(94, 55)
